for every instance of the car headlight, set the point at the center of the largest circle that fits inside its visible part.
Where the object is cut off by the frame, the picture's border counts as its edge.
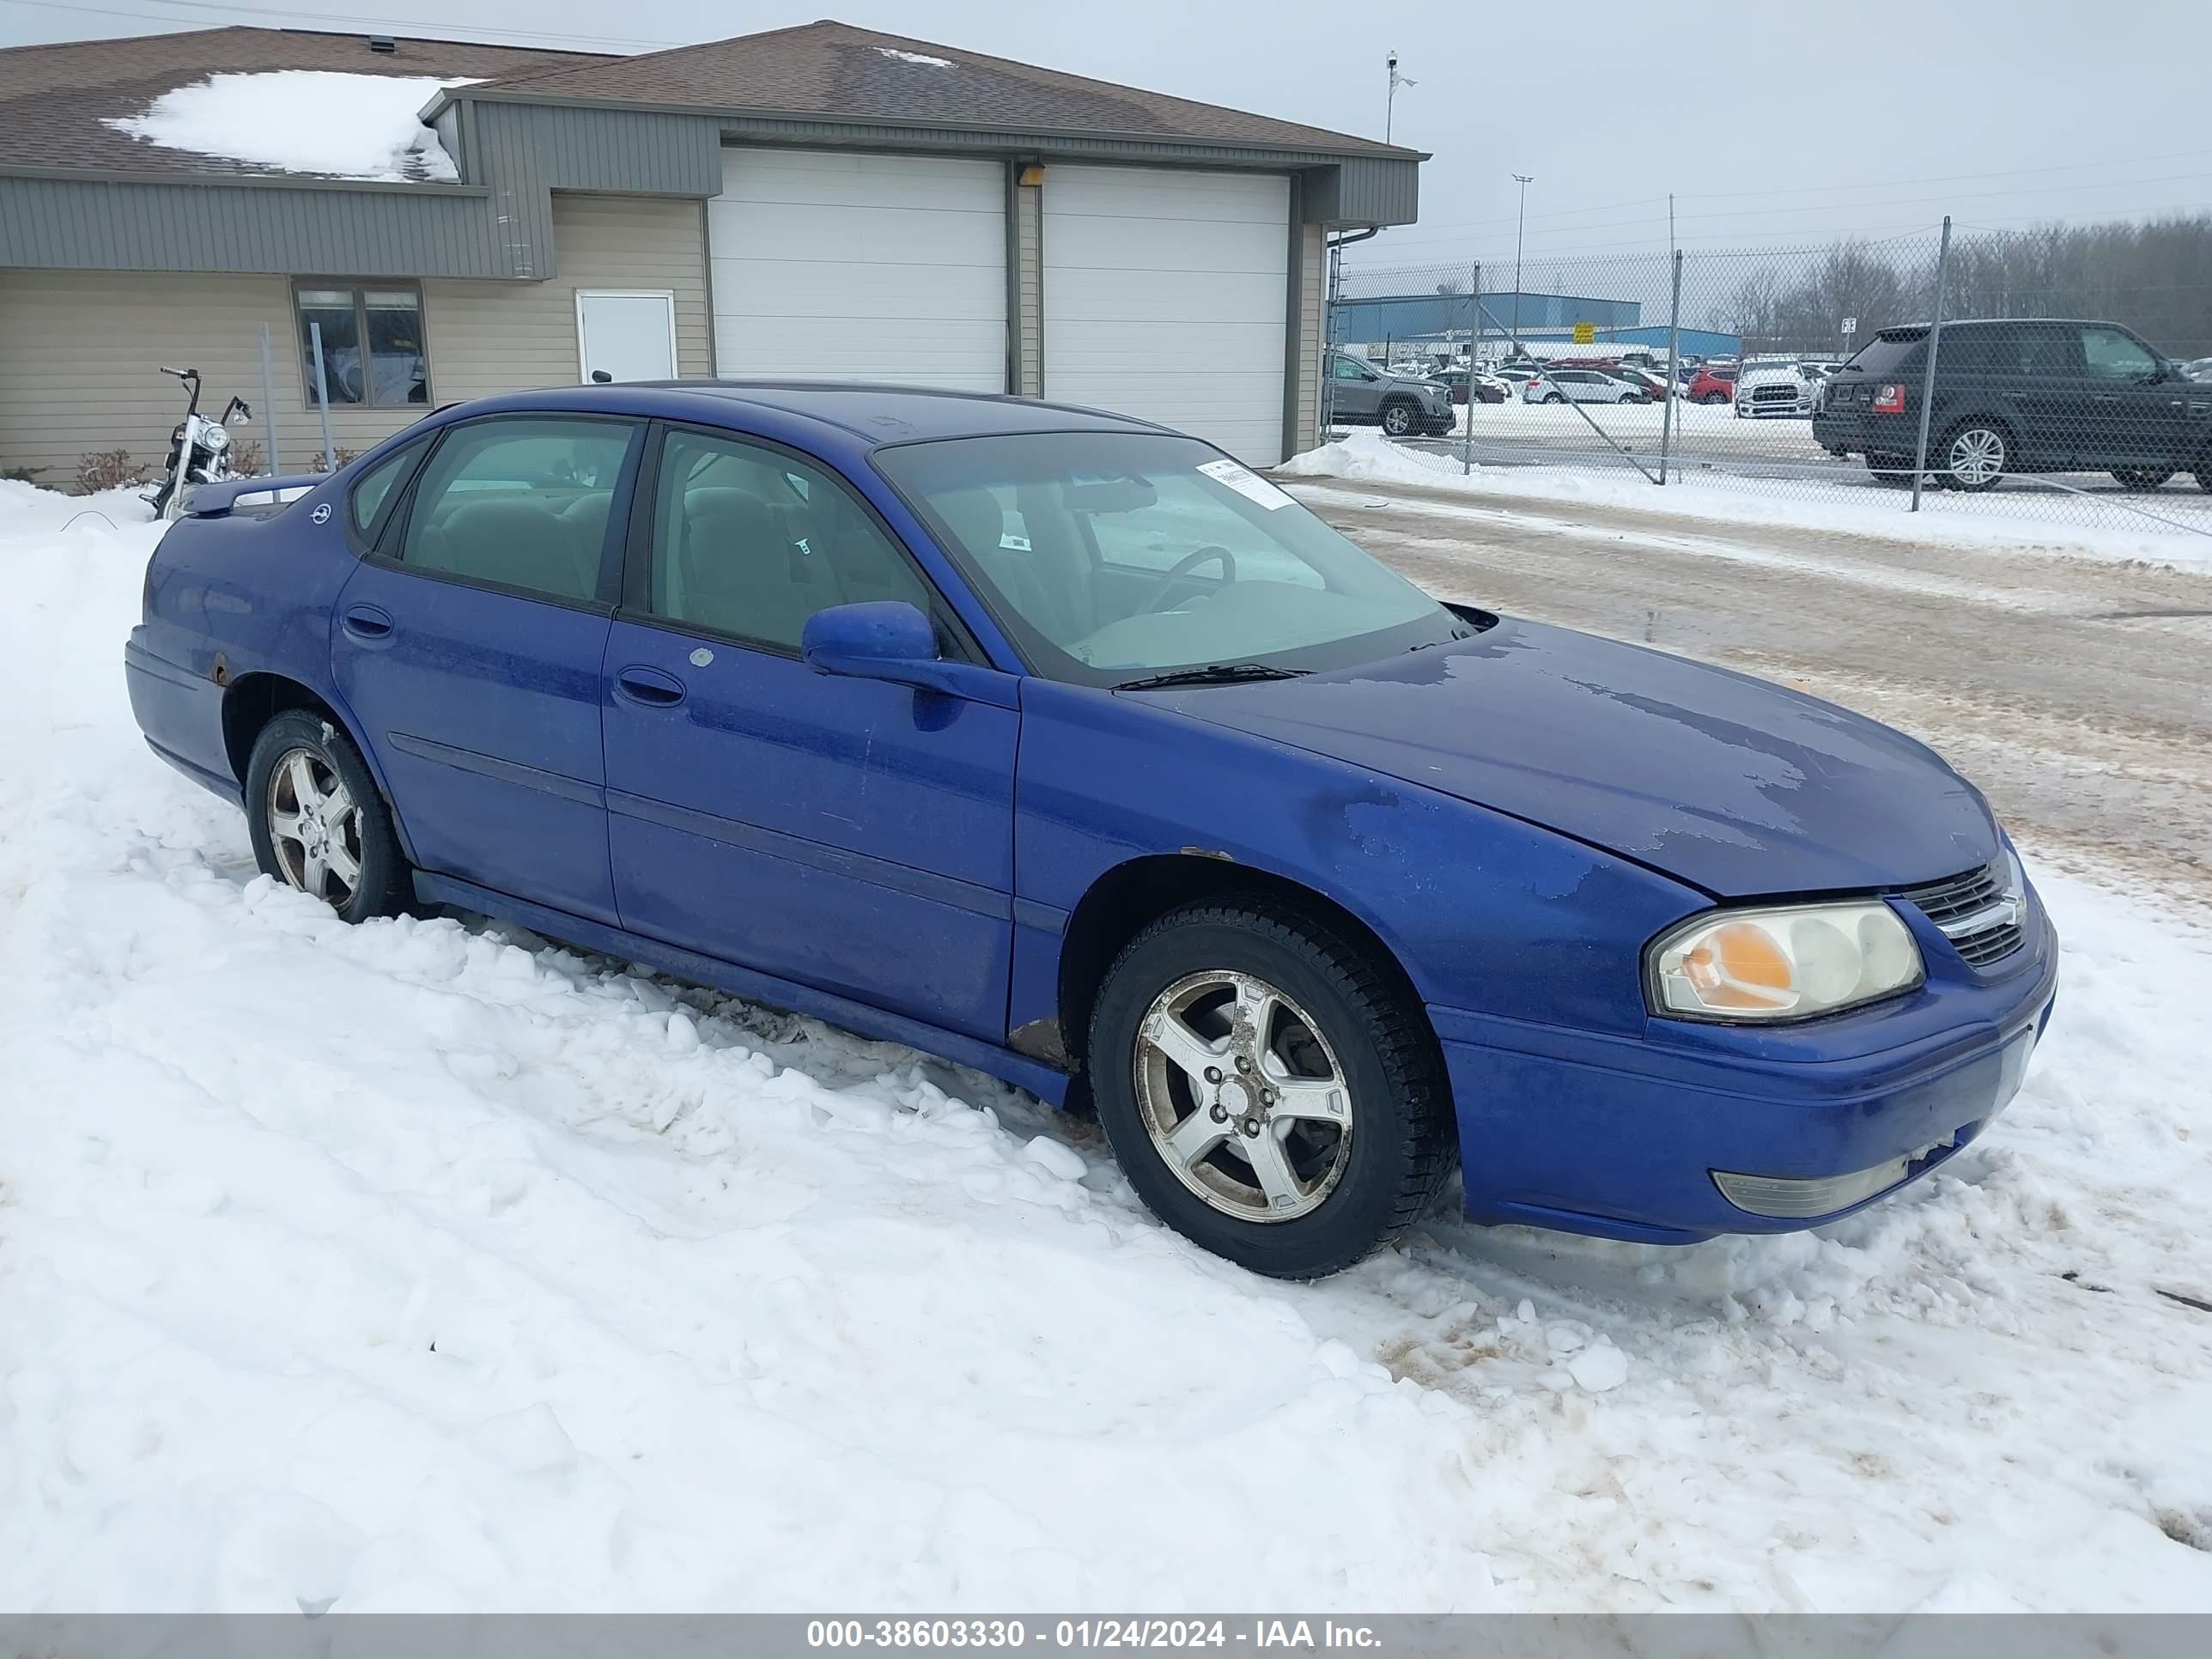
(1790, 962)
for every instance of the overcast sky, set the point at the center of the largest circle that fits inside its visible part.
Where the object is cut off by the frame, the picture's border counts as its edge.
(1772, 121)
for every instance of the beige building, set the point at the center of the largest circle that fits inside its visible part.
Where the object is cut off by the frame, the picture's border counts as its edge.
(822, 202)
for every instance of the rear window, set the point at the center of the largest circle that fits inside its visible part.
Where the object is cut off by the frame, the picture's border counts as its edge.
(1888, 352)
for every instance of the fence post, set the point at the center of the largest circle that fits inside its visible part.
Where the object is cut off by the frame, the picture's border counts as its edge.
(269, 401)
(1674, 352)
(1474, 334)
(1328, 344)
(323, 398)
(1928, 379)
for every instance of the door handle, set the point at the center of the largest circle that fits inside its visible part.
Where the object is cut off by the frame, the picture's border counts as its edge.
(648, 687)
(365, 623)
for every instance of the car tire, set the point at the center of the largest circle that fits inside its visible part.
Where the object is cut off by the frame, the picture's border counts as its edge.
(1399, 418)
(319, 823)
(1554, 398)
(1974, 454)
(1353, 1174)
(2142, 477)
(1712, 397)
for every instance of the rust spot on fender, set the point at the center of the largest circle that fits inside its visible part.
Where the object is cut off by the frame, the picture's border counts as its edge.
(1040, 1039)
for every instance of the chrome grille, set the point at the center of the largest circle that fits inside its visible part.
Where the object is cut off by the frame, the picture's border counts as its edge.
(1972, 913)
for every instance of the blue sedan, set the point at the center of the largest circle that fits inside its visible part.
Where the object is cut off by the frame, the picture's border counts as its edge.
(1062, 745)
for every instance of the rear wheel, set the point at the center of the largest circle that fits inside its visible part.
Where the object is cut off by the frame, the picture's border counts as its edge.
(319, 823)
(2142, 477)
(1270, 1092)
(1555, 398)
(1399, 418)
(1711, 398)
(1973, 454)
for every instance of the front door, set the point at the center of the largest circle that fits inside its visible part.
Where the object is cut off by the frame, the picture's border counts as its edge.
(470, 646)
(626, 334)
(850, 835)
(2136, 416)
(1359, 390)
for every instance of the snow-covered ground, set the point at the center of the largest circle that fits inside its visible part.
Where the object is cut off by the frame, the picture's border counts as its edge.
(2171, 526)
(316, 121)
(426, 1265)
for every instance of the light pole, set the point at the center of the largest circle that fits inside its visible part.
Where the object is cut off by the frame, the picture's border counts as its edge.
(1523, 179)
(1390, 102)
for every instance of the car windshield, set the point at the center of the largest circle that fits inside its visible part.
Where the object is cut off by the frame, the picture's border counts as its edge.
(1113, 556)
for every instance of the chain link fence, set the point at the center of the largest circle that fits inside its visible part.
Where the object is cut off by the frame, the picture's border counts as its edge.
(2063, 374)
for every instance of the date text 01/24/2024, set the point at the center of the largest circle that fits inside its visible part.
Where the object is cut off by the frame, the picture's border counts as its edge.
(1293, 1633)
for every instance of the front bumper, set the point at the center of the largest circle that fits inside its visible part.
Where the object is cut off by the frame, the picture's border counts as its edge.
(1627, 1137)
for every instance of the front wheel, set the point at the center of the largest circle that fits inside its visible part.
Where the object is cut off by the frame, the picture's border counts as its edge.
(2142, 477)
(317, 821)
(1399, 419)
(1270, 1092)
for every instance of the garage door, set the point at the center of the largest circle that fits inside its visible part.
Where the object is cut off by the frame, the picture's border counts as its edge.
(1165, 296)
(838, 265)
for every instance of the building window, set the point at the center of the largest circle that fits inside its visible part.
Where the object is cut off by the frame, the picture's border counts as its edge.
(372, 349)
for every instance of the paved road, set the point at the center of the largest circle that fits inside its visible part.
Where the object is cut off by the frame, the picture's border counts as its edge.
(2077, 694)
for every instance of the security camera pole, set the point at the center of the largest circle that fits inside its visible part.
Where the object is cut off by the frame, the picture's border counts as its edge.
(1390, 103)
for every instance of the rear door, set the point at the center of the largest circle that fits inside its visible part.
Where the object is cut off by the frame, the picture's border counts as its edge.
(850, 835)
(470, 645)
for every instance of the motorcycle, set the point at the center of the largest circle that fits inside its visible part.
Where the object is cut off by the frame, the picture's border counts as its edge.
(199, 449)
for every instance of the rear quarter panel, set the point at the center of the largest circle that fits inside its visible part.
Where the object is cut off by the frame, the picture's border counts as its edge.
(227, 598)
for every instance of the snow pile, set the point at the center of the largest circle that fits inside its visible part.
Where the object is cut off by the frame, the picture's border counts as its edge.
(922, 58)
(311, 121)
(428, 1265)
(2004, 519)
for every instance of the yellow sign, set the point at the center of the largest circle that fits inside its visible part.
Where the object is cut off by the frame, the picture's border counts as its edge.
(1585, 333)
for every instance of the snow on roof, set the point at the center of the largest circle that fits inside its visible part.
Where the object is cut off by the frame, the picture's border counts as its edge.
(310, 121)
(915, 57)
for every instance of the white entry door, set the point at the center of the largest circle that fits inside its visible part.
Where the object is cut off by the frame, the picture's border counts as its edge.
(626, 334)
(849, 266)
(1166, 295)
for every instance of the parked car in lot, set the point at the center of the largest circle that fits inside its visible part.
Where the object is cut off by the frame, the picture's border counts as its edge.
(2015, 395)
(1580, 385)
(1653, 382)
(1402, 407)
(1770, 389)
(1067, 748)
(1485, 388)
(1713, 383)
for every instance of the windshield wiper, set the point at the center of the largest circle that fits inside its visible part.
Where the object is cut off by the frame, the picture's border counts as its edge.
(1220, 673)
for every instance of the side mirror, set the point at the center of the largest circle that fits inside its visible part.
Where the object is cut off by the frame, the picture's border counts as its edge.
(600, 377)
(877, 639)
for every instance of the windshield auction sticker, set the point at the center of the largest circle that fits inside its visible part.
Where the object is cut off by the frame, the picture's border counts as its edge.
(1246, 482)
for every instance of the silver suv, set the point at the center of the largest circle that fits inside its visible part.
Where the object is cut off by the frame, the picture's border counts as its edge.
(1361, 392)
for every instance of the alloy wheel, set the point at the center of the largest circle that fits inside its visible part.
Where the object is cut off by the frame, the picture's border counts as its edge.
(1975, 458)
(1398, 420)
(314, 827)
(1243, 1097)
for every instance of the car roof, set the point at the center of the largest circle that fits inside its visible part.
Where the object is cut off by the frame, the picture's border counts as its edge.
(875, 413)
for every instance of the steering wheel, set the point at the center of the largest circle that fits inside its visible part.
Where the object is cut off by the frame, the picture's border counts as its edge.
(1184, 566)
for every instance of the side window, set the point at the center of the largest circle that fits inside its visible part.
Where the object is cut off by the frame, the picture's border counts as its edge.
(2047, 351)
(1348, 368)
(2113, 355)
(374, 493)
(520, 501)
(749, 541)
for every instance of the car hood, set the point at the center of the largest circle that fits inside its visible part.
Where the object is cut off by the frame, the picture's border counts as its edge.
(1733, 784)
